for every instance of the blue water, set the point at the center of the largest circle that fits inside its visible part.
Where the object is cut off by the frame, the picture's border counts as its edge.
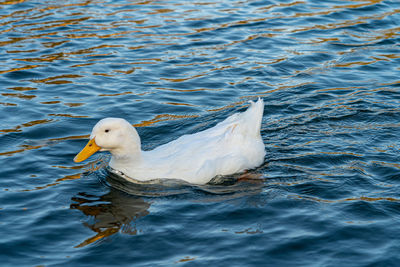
(327, 194)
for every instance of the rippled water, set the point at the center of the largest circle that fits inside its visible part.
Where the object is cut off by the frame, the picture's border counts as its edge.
(328, 193)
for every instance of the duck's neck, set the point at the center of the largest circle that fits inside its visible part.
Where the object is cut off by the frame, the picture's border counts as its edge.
(127, 155)
(125, 159)
(122, 162)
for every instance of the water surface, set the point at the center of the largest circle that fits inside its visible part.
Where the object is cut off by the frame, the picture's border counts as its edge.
(327, 194)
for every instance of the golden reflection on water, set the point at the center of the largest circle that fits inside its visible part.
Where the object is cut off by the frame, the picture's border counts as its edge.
(27, 67)
(11, 2)
(19, 88)
(343, 24)
(51, 80)
(161, 118)
(27, 124)
(227, 106)
(18, 95)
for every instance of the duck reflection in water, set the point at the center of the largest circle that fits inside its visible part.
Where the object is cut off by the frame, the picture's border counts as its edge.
(113, 212)
(117, 210)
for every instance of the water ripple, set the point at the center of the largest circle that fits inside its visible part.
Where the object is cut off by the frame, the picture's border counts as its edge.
(327, 70)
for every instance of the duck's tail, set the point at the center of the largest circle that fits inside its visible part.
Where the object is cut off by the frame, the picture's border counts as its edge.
(253, 117)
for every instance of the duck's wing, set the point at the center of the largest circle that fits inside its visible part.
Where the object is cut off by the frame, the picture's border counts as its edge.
(239, 126)
(229, 146)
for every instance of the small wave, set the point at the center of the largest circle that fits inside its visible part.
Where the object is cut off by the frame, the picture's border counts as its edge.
(220, 185)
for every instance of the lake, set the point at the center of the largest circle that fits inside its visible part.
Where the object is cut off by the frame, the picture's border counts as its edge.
(328, 193)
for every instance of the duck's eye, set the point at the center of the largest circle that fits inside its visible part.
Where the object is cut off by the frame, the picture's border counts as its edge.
(107, 130)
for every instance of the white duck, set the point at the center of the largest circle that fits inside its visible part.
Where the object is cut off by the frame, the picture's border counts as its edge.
(231, 146)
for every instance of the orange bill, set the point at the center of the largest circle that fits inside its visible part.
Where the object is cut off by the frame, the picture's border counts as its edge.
(87, 151)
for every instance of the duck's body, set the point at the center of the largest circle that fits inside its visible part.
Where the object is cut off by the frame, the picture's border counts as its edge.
(231, 146)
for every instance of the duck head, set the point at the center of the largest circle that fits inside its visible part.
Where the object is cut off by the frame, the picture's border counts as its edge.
(115, 135)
